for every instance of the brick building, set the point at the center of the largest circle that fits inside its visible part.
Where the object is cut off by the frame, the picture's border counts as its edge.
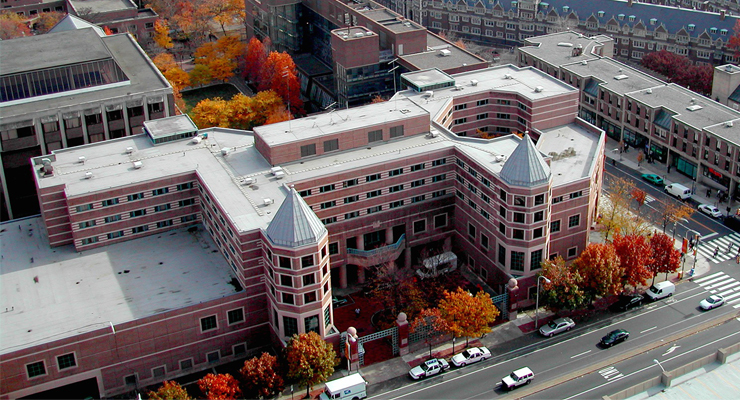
(294, 208)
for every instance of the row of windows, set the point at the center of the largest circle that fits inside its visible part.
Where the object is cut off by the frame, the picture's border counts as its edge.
(391, 205)
(210, 322)
(38, 368)
(138, 229)
(134, 197)
(136, 213)
(333, 144)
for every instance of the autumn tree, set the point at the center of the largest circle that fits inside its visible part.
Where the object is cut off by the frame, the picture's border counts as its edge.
(377, 99)
(200, 75)
(564, 292)
(219, 387)
(220, 56)
(309, 359)
(734, 42)
(680, 70)
(634, 257)
(261, 378)
(177, 78)
(210, 112)
(664, 256)
(639, 196)
(13, 26)
(673, 212)
(666, 63)
(614, 216)
(430, 324)
(162, 34)
(600, 268)
(468, 315)
(279, 74)
(47, 20)
(170, 390)
(225, 12)
(254, 59)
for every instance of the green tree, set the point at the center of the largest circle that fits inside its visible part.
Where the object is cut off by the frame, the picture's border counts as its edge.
(260, 377)
(200, 75)
(565, 291)
(309, 359)
(468, 315)
(170, 390)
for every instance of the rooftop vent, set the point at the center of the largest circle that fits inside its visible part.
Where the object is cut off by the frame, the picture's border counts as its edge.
(225, 151)
(728, 68)
(280, 175)
(694, 107)
(359, 34)
(473, 82)
(138, 164)
(48, 169)
(693, 100)
(445, 53)
(88, 175)
(620, 77)
(429, 93)
(499, 158)
(584, 62)
(196, 140)
(728, 124)
(649, 91)
(565, 44)
(267, 201)
(458, 87)
(507, 76)
(129, 150)
(539, 89)
(433, 134)
(45, 161)
(81, 159)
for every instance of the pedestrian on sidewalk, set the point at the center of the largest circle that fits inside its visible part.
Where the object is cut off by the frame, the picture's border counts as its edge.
(709, 193)
(357, 312)
(716, 251)
(669, 168)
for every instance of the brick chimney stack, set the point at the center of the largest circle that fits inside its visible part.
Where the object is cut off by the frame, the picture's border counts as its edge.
(722, 15)
(629, 3)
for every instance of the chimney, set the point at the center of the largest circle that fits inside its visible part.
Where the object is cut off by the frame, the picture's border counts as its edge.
(722, 15)
(629, 3)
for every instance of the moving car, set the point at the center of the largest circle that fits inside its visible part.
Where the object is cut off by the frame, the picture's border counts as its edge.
(710, 210)
(656, 180)
(711, 302)
(522, 376)
(429, 368)
(556, 326)
(470, 356)
(626, 301)
(614, 337)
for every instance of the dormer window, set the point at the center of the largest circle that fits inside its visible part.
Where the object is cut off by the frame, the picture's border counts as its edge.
(632, 18)
(653, 21)
(723, 32)
(620, 17)
(566, 9)
(691, 27)
(600, 14)
(713, 30)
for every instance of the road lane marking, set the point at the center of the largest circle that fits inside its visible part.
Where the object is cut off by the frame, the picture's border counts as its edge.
(713, 234)
(704, 278)
(577, 355)
(611, 374)
(648, 329)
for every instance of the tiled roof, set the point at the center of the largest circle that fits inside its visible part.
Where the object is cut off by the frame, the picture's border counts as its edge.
(525, 167)
(295, 224)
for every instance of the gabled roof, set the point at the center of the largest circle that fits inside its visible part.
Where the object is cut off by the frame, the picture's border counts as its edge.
(525, 167)
(295, 224)
(71, 22)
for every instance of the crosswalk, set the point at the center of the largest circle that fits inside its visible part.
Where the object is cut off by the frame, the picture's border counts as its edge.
(611, 374)
(722, 284)
(722, 243)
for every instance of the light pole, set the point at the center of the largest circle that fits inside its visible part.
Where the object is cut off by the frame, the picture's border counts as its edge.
(537, 306)
(675, 224)
(655, 360)
(696, 246)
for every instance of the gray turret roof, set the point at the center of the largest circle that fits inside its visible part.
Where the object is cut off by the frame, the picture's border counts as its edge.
(295, 224)
(525, 166)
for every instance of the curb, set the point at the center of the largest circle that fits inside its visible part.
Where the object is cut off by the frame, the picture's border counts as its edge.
(619, 358)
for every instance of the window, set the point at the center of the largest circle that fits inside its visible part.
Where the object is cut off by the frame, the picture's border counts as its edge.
(89, 240)
(484, 241)
(417, 167)
(286, 280)
(518, 234)
(556, 200)
(309, 279)
(84, 207)
(502, 228)
(439, 193)
(539, 216)
(87, 224)
(185, 186)
(186, 202)
(114, 235)
(517, 261)
(471, 231)
(308, 150)
(66, 361)
(140, 229)
(396, 131)
(36, 369)
(186, 364)
(188, 218)
(164, 224)
(330, 220)
(481, 116)
(284, 262)
(374, 193)
(137, 213)
(351, 199)
(438, 178)
(137, 196)
(535, 260)
(459, 107)
(440, 221)
(574, 221)
(577, 194)
(481, 102)
(375, 136)
(158, 371)
(328, 204)
(371, 178)
(519, 201)
(396, 204)
(539, 199)
(331, 145)
(307, 261)
(555, 226)
(396, 188)
(502, 195)
(288, 298)
(326, 188)
(519, 217)
(305, 193)
(109, 202)
(420, 226)
(130, 380)
(417, 199)
(537, 233)
(441, 161)
(290, 325)
(395, 172)
(213, 356)
(309, 297)
(572, 252)
(208, 323)
(501, 254)
(417, 183)
(235, 316)
(160, 191)
(334, 248)
(162, 207)
(351, 182)
(375, 209)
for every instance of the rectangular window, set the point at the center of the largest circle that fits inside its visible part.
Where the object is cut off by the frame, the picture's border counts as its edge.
(186, 202)
(417, 183)
(396, 188)
(420, 226)
(334, 248)
(160, 191)
(208, 323)
(439, 178)
(284, 262)
(556, 200)
(574, 220)
(140, 229)
(371, 178)
(185, 186)
(330, 220)
(136, 196)
(501, 255)
(326, 188)
(188, 218)
(114, 235)
(375, 209)
(286, 280)
(441, 161)
(84, 207)
(539, 199)
(328, 204)
(481, 116)
(309, 297)
(36, 369)
(164, 224)
(110, 202)
(518, 234)
(351, 182)
(555, 226)
(351, 199)
(484, 241)
(213, 356)
(309, 279)
(235, 316)
(395, 172)
(539, 216)
(459, 107)
(471, 232)
(374, 193)
(353, 214)
(162, 207)
(417, 199)
(308, 150)
(186, 364)
(305, 193)
(331, 145)
(307, 261)
(87, 224)
(502, 228)
(417, 167)
(535, 260)
(89, 240)
(290, 325)
(519, 217)
(537, 233)
(519, 201)
(375, 136)
(396, 204)
(481, 102)
(396, 131)
(439, 193)
(440, 221)
(502, 195)
(577, 194)
(517, 261)
(137, 213)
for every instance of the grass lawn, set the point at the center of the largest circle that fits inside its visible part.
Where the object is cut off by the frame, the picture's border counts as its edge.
(192, 97)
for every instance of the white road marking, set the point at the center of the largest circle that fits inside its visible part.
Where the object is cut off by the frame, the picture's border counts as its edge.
(585, 352)
(709, 235)
(648, 329)
(704, 278)
(671, 349)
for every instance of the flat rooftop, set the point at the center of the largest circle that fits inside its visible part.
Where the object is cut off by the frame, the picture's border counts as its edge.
(616, 77)
(102, 6)
(170, 126)
(53, 293)
(390, 20)
(557, 48)
(572, 151)
(432, 58)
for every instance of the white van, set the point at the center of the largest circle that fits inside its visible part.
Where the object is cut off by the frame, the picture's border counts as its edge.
(678, 190)
(660, 290)
(351, 387)
(522, 376)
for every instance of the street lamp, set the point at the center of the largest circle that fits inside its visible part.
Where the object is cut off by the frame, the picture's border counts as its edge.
(696, 247)
(537, 306)
(655, 360)
(675, 224)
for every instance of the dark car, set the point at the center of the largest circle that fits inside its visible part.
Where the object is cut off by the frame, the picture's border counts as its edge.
(626, 301)
(614, 337)
(733, 222)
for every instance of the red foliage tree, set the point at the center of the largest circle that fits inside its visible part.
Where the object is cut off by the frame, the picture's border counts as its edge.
(260, 377)
(170, 390)
(634, 256)
(220, 387)
(734, 42)
(279, 74)
(565, 289)
(12, 26)
(665, 257)
(665, 63)
(254, 59)
(600, 269)
(680, 70)
(430, 324)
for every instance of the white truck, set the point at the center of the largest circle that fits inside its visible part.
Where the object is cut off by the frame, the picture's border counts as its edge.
(351, 387)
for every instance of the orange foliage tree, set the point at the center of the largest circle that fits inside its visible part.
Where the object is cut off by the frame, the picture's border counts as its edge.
(224, 12)
(639, 196)
(170, 390)
(468, 315)
(599, 266)
(254, 59)
(565, 290)
(634, 256)
(178, 78)
(665, 257)
(211, 112)
(13, 26)
(47, 20)
(309, 359)
(260, 377)
(200, 75)
(430, 324)
(279, 74)
(162, 34)
(220, 387)
(220, 56)
(248, 112)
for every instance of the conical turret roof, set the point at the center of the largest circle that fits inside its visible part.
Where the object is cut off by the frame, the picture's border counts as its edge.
(295, 224)
(525, 166)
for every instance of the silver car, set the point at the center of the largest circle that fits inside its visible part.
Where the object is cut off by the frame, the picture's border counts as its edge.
(556, 326)
(711, 302)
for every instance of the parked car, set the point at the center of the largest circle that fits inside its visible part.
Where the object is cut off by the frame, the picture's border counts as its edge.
(660, 290)
(522, 376)
(656, 180)
(711, 302)
(678, 190)
(614, 337)
(429, 368)
(470, 356)
(556, 326)
(626, 301)
(710, 210)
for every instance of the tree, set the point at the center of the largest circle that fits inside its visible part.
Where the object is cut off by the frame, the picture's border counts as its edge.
(680, 70)
(248, 112)
(220, 56)
(162, 34)
(222, 68)
(666, 63)
(664, 257)
(734, 42)
(210, 112)
(13, 26)
(599, 266)
(614, 215)
(634, 256)
(225, 11)
(220, 387)
(170, 390)
(47, 20)
(260, 377)
(254, 59)
(468, 315)
(674, 212)
(431, 325)
(200, 75)
(178, 78)
(279, 74)
(377, 99)
(309, 359)
(565, 290)
(639, 196)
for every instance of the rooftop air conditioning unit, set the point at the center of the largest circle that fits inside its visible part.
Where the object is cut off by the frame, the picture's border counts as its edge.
(267, 201)
(45, 161)
(584, 62)
(458, 87)
(445, 53)
(359, 34)
(225, 151)
(88, 175)
(249, 181)
(138, 164)
(728, 124)
(649, 91)
(196, 140)
(473, 82)
(275, 170)
(433, 134)
(507, 76)
(565, 44)
(81, 159)
(500, 158)
(429, 93)
(539, 89)
(280, 175)
(129, 150)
